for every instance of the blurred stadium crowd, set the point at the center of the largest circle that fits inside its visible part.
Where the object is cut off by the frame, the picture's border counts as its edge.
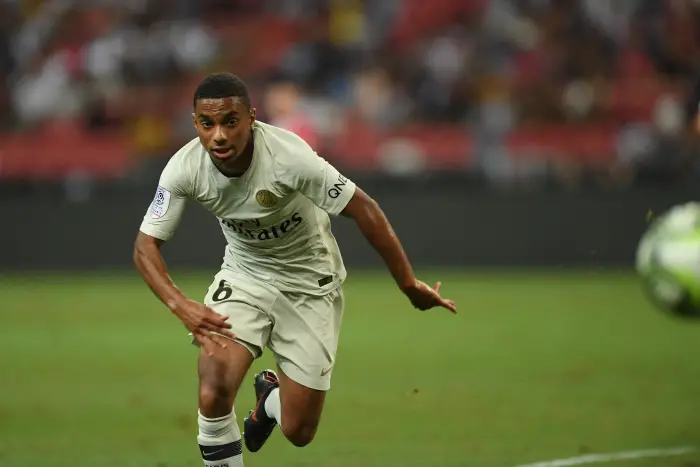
(515, 91)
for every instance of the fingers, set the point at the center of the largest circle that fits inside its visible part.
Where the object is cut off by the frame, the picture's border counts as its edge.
(218, 323)
(220, 340)
(213, 332)
(211, 343)
(443, 303)
(209, 315)
(450, 305)
(226, 333)
(224, 320)
(219, 320)
(206, 342)
(220, 329)
(431, 298)
(215, 327)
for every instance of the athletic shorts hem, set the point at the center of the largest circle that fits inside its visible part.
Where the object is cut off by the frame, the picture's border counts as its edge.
(254, 350)
(298, 376)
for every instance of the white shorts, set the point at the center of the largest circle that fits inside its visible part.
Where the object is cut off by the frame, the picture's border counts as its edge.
(301, 330)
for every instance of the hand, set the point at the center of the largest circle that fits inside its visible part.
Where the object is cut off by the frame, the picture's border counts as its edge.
(203, 322)
(424, 298)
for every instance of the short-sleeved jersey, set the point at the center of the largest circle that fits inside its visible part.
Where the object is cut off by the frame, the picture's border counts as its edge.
(275, 217)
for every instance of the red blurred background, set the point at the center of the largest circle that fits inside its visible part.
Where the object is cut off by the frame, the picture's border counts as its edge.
(516, 91)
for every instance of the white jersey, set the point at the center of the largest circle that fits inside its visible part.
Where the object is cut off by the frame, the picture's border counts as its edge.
(275, 217)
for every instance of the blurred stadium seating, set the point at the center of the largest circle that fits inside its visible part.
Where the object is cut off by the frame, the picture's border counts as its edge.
(506, 90)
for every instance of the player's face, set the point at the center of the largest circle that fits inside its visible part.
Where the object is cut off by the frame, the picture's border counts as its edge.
(224, 129)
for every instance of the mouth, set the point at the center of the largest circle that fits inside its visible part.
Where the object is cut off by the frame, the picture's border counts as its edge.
(222, 152)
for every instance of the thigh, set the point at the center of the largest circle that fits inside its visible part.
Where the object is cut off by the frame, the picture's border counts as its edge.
(220, 376)
(246, 303)
(301, 406)
(304, 337)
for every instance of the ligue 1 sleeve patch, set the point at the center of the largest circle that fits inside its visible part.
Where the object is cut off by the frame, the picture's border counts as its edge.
(160, 203)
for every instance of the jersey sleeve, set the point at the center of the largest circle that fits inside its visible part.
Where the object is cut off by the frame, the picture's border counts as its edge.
(165, 211)
(319, 181)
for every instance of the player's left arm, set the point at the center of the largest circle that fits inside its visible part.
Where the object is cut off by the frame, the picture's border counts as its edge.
(337, 195)
(375, 227)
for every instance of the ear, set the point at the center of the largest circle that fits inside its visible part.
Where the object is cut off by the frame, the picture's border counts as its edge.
(252, 116)
(194, 119)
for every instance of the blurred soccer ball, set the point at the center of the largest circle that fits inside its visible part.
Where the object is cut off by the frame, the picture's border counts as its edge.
(668, 260)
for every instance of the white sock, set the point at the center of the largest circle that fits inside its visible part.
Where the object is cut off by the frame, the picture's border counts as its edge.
(220, 441)
(273, 407)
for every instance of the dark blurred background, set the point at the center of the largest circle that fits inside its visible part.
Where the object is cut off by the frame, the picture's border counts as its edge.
(505, 132)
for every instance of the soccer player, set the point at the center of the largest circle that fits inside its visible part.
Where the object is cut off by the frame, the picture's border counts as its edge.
(280, 284)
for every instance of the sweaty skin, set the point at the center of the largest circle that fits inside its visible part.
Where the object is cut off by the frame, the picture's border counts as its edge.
(224, 129)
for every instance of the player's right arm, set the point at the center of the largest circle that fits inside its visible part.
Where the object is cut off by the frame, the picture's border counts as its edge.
(158, 226)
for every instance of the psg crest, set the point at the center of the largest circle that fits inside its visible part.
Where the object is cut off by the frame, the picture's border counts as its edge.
(266, 198)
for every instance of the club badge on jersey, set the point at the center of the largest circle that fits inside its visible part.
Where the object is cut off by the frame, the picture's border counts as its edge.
(160, 203)
(266, 198)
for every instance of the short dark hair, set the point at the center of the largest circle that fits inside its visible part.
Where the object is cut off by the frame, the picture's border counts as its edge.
(220, 85)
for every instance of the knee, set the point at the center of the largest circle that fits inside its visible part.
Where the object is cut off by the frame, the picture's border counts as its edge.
(300, 434)
(214, 400)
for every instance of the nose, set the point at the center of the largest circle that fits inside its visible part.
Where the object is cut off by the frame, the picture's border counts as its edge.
(219, 136)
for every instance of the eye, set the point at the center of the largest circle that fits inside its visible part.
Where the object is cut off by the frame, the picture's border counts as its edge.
(232, 122)
(205, 124)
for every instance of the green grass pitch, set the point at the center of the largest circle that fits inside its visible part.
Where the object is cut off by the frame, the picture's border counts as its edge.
(95, 372)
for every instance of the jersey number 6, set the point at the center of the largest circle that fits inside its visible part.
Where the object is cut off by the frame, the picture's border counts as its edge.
(223, 292)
